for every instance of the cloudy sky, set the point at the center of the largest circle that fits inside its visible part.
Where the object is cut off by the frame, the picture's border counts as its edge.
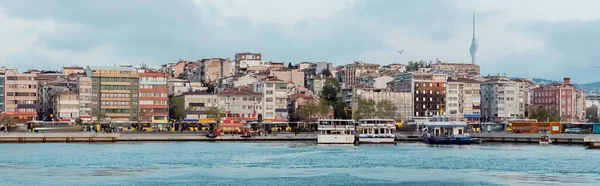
(526, 38)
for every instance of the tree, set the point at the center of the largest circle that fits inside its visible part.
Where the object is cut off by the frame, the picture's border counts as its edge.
(543, 114)
(177, 108)
(326, 73)
(313, 108)
(331, 89)
(215, 113)
(366, 109)
(290, 65)
(99, 115)
(414, 66)
(386, 110)
(210, 88)
(78, 121)
(7, 120)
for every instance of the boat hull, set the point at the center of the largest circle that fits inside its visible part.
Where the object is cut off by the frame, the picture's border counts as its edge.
(335, 139)
(447, 140)
(374, 140)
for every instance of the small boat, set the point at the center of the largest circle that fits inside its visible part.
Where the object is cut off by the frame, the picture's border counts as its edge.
(442, 131)
(336, 131)
(376, 131)
(545, 140)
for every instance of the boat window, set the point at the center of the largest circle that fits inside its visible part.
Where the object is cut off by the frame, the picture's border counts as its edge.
(382, 131)
(376, 131)
(328, 132)
(460, 131)
(392, 131)
(364, 131)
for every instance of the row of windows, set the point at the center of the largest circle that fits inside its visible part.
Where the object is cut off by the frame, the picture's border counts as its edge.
(20, 78)
(242, 99)
(151, 102)
(117, 79)
(115, 87)
(22, 86)
(20, 110)
(115, 95)
(64, 106)
(431, 92)
(118, 103)
(153, 78)
(143, 86)
(21, 94)
(20, 102)
(430, 84)
(114, 72)
(160, 95)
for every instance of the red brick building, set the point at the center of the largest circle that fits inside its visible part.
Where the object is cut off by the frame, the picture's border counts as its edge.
(560, 97)
(153, 97)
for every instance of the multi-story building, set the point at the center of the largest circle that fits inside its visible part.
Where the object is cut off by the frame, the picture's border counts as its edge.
(460, 69)
(580, 107)
(197, 102)
(46, 96)
(241, 103)
(403, 101)
(561, 98)
(295, 77)
(275, 96)
(428, 90)
(213, 69)
(84, 89)
(245, 80)
(115, 92)
(317, 85)
(592, 100)
(393, 67)
(153, 97)
(463, 98)
(500, 100)
(2, 80)
(66, 106)
(20, 94)
(73, 70)
(354, 70)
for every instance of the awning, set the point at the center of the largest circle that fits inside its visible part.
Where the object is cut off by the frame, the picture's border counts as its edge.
(231, 125)
(473, 116)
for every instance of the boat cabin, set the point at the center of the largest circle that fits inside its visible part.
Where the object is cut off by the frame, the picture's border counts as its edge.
(375, 127)
(336, 126)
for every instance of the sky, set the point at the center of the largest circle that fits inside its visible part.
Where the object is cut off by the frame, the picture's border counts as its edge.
(520, 38)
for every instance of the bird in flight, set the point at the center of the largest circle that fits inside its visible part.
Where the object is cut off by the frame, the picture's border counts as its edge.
(400, 52)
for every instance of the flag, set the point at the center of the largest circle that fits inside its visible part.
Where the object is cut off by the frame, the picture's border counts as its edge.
(254, 113)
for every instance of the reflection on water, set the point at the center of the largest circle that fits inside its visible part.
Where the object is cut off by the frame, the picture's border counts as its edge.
(189, 163)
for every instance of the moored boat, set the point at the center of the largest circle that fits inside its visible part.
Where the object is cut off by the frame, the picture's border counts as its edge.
(376, 131)
(545, 140)
(442, 131)
(336, 131)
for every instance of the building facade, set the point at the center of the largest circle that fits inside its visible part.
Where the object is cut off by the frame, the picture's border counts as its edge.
(463, 99)
(460, 69)
(274, 103)
(115, 92)
(561, 98)
(403, 101)
(2, 84)
(73, 70)
(197, 102)
(66, 106)
(241, 103)
(153, 97)
(21, 94)
(84, 89)
(428, 92)
(295, 77)
(500, 100)
(213, 69)
(354, 70)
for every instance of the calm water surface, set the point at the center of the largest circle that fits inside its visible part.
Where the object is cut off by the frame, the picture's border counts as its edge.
(295, 164)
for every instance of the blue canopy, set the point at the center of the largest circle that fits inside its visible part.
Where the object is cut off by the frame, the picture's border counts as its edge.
(473, 116)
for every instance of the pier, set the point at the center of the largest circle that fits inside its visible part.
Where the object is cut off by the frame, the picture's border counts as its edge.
(73, 137)
(532, 138)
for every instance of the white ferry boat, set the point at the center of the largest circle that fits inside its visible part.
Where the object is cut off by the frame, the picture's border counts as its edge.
(376, 131)
(336, 131)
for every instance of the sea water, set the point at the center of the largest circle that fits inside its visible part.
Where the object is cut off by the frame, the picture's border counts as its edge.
(264, 164)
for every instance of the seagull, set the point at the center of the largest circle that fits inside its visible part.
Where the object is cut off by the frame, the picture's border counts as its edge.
(400, 52)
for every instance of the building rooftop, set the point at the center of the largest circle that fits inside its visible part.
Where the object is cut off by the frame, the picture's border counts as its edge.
(199, 92)
(133, 69)
(463, 80)
(238, 92)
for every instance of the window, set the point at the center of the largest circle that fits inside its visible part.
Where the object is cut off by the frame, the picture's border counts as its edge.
(269, 99)
(269, 85)
(269, 92)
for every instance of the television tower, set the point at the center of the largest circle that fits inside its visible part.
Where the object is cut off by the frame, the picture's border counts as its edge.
(473, 49)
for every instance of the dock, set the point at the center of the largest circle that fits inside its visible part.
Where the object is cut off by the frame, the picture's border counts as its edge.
(592, 141)
(88, 137)
(72, 137)
(532, 138)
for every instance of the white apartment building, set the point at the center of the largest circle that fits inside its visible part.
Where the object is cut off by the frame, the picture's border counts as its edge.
(275, 96)
(500, 100)
(66, 106)
(463, 99)
(241, 103)
(84, 88)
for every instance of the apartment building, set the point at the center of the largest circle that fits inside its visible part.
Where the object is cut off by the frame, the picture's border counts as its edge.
(460, 69)
(561, 98)
(66, 106)
(198, 101)
(354, 70)
(500, 99)
(241, 103)
(428, 91)
(115, 91)
(275, 96)
(463, 99)
(153, 97)
(2, 84)
(84, 89)
(213, 69)
(73, 70)
(295, 77)
(20, 95)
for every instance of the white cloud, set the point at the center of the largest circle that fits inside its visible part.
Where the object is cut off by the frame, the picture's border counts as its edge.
(282, 12)
(536, 10)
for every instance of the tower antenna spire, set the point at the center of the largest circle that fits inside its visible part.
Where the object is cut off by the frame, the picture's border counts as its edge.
(473, 49)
